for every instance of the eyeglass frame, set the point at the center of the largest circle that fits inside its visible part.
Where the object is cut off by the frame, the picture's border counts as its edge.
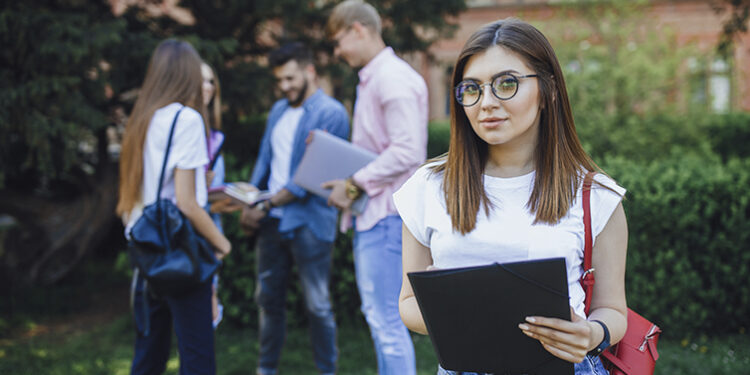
(492, 88)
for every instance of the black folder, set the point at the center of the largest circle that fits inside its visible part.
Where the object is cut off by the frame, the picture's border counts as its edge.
(472, 315)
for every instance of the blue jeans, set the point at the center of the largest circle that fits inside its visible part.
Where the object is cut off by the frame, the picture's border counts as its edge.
(191, 316)
(377, 264)
(276, 253)
(589, 366)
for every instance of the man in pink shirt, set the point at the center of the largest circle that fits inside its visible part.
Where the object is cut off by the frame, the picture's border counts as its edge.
(390, 119)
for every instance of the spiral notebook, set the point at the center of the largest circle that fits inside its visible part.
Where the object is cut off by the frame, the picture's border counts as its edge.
(472, 315)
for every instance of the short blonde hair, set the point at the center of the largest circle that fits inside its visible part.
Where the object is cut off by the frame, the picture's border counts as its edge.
(350, 11)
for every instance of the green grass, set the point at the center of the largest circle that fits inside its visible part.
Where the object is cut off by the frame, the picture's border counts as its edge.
(107, 349)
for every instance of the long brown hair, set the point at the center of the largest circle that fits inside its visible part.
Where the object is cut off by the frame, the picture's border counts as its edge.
(213, 109)
(173, 75)
(559, 157)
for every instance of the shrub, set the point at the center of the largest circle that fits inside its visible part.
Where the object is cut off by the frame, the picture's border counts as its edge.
(688, 259)
(730, 135)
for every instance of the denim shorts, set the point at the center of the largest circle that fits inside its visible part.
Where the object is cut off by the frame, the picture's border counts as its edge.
(589, 366)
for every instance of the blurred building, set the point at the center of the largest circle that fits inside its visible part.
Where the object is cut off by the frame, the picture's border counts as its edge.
(724, 85)
(721, 85)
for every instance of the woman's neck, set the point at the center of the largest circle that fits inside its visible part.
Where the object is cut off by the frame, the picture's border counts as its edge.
(504, 161)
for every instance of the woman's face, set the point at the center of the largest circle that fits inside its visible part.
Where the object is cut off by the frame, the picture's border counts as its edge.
(208, 84)
(510, 122)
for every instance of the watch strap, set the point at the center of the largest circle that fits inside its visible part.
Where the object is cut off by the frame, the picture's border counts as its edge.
(605, 341)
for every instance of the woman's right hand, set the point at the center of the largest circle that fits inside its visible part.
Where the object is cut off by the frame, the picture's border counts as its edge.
(223, 248)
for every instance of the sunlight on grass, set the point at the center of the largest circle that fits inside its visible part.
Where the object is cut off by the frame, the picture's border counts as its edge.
(173, 364)
(120, 366)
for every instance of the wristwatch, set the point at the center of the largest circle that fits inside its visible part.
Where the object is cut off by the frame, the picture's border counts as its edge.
(605, 341)
(352, 190)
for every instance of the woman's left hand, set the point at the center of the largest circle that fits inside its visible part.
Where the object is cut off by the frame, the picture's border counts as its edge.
(567, 340)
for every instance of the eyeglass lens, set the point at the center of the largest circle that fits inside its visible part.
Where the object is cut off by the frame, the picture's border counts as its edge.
(503, 87)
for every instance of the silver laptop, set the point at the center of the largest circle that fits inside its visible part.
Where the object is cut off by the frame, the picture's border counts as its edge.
(327, 158)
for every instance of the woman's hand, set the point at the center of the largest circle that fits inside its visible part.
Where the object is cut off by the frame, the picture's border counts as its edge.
(568, 340)
(224, 248)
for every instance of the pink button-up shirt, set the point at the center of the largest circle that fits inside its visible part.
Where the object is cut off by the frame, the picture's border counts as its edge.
(390, 119)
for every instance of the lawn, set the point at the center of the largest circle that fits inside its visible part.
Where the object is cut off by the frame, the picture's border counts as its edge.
(84, 327)
(105, 348)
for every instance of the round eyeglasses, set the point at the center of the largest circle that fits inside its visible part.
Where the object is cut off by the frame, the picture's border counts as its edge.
(504, 87)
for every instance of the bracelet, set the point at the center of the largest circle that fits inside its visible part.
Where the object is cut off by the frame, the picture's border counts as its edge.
(605, 341)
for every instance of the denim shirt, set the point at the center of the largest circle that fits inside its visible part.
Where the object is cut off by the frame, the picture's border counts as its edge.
(321, 112)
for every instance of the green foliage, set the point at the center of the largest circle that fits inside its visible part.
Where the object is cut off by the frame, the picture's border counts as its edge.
(626, 76)
(688, 254)
(52, 102)
(60, 58)
(438, 134)
(730, 135)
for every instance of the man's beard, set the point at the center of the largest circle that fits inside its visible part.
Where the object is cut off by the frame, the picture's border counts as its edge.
(300, 97)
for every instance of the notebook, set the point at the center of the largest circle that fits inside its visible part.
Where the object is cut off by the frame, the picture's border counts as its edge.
(472, 315)
(240, 192)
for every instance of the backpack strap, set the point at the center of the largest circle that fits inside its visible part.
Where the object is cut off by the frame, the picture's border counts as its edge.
(166, 153)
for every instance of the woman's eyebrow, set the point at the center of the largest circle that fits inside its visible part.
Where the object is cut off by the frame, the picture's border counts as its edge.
(504, 72)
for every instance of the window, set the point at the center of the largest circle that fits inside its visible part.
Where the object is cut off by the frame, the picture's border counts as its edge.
(710, 84)
(719, 86)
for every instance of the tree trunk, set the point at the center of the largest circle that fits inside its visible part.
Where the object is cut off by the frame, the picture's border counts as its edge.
(53, 235)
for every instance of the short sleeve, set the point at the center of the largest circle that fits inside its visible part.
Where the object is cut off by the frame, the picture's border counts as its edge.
(604, 201)
(190, 147)
(412, 201)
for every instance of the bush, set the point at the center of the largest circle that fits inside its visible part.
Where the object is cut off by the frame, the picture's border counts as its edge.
(730, 135)
(688, 259)
(438, 134)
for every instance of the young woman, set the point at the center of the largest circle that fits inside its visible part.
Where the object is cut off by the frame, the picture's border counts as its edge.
(509, 189)
(215, 170)
(172, 89)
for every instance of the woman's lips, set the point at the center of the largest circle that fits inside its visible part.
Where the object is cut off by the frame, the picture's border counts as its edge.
(492, 122)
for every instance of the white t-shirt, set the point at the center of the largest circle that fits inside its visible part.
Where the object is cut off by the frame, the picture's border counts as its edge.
(282, 144)
(188, 151)
(508, 234)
